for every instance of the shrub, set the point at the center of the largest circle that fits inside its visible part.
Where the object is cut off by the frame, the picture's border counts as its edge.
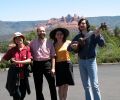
(5, 64)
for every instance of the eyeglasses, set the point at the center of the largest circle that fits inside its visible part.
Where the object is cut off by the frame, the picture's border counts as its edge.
(41, 31)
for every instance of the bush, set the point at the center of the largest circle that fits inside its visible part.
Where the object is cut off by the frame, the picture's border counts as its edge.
(5, 64)
(108, 54)
(74, 58)
(4, 46)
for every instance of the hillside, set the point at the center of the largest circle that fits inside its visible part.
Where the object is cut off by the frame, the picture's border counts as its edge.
(70, 22)
(112, 21)
(10, 27)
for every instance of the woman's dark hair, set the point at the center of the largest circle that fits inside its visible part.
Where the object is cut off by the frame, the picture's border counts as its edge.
(64, 31)
(64, 38)
(87, 23)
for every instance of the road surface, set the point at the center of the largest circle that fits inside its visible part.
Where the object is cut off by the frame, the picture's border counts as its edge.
(109, 79)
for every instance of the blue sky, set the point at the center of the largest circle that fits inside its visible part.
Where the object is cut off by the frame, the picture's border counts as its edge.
(29, 10)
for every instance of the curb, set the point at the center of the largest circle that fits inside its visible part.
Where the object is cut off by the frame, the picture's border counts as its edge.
(4, 69)
(74, 65)
(109, 64)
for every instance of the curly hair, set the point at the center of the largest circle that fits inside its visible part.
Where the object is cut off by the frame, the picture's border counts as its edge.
(87, 23)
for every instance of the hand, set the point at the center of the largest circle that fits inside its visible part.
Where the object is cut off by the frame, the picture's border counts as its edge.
(14, 61)
(97, 32)
(74, 46)
(53, 71)
(82, 41)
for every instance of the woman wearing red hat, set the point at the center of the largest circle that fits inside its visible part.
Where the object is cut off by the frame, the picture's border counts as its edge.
(63, 67)
(20, 56)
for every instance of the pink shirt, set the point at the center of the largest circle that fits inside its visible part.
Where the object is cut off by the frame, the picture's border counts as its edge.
(42, 50)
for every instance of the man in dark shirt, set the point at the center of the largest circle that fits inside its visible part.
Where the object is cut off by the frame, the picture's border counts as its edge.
(85, 44)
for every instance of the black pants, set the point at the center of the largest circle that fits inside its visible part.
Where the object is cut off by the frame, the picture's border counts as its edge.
(21, 90)
(39, 69)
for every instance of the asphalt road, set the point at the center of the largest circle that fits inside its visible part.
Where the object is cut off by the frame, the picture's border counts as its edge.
(109, 79)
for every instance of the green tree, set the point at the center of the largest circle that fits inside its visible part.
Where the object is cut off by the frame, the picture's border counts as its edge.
(4, 46)
(30, 35)
(117, 31)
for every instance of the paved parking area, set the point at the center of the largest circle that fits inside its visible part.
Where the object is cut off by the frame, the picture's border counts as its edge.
(109, 79)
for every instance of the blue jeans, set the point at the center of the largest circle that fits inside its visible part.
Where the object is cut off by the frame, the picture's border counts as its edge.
(89, 77)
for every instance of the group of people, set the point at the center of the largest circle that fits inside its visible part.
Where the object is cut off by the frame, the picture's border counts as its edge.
(51, 58)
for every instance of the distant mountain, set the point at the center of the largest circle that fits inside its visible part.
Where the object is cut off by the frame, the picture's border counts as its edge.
(112, 21)
(7, 28)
